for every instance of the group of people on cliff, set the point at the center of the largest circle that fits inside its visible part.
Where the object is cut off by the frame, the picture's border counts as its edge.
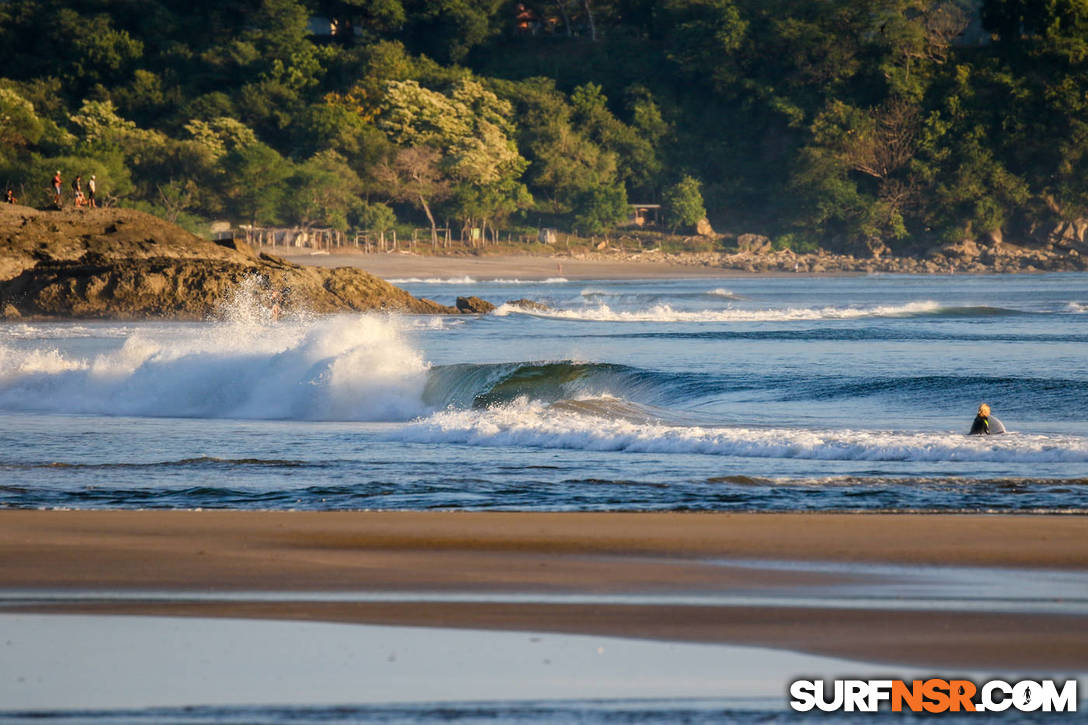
(78, 197)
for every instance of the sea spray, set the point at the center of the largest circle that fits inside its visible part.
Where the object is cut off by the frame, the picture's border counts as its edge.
(348, 367)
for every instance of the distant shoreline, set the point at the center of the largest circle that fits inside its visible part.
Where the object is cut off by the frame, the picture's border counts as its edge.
(618, 265)
(401, 266)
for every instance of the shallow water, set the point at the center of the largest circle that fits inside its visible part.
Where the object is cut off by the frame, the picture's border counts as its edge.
(164, 670)
(734, 394)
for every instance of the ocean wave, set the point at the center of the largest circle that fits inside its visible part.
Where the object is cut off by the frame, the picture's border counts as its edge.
(350, 367)
(1076, 308)
(480, 385)
(666, 313)
(533, 424)
(195, 462)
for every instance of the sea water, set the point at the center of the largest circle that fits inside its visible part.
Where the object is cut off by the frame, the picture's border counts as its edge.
(732, 394)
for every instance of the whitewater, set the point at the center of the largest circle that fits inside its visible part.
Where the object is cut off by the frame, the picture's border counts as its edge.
(850, 393)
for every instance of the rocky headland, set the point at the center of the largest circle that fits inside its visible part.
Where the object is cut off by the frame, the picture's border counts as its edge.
(124, 264)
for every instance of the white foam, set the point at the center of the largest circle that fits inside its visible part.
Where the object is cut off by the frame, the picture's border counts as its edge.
(722, 292)
(665, 313)
(349, 367)
(432, 323)
(432, 280)
(55, 331)
(470, 280)
(1076, 308)
(525, 423)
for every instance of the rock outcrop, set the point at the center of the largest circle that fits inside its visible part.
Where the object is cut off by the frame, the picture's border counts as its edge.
(123, 264)
(529, 305)
(474, 306)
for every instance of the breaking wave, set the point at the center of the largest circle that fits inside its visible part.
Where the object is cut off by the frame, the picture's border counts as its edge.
(532, 423)
(337, 368)
(666, 313)
(357, 367)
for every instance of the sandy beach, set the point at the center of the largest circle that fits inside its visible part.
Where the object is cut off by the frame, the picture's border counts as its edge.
(404, 266)
(729, 578)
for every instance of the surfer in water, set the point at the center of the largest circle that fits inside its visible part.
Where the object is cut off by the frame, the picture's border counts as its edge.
(981, 426)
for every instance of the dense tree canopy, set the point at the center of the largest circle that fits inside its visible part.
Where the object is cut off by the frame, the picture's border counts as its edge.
(853, 124)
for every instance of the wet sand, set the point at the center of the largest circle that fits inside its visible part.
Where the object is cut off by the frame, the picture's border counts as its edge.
(404, 266)
(205, 552)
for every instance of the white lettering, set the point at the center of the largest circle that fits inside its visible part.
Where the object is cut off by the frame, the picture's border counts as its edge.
(989, 703)
(879, 691)
(1027, 696)
(1064, 701)
(855, 696)
(803, 693)
(835, 703)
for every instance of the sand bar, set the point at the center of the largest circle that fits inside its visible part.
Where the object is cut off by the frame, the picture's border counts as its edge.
(232, 551)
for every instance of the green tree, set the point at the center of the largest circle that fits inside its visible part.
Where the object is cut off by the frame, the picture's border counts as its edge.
(472, 136)
(637, 161)
(255, 186)
(323, 191)
(19, 124)
(448, 29)
(683, 203)
(375, 217)
(600, 209)
(413, 175)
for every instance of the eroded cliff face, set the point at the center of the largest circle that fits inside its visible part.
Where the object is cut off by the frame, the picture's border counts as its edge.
(124, 264)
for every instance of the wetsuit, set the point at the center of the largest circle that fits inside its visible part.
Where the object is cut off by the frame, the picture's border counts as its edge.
(981, 426)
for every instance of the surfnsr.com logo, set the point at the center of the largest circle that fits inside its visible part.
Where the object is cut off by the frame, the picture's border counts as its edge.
(933, 695)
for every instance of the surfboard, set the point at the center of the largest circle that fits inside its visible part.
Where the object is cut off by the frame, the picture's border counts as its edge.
(996, 426)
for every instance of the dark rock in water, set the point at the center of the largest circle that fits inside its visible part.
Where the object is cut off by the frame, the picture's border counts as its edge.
(527, 304)
(123, 264)
(474, 306)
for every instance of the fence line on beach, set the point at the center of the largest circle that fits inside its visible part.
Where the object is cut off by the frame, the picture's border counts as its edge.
(322, 239)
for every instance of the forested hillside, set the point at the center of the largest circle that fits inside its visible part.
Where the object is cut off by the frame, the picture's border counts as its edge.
(852, 124)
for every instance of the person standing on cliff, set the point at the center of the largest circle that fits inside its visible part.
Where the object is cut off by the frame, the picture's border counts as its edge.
(77, 191)
(10, 196)
(91, 189)
(56, 188)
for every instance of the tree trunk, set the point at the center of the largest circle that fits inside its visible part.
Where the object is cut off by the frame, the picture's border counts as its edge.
(561, 6)
(592, 25)
(430, 218)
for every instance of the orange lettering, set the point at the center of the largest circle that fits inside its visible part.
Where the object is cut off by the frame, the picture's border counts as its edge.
(911, 695)
(936, 691)
(961, 692)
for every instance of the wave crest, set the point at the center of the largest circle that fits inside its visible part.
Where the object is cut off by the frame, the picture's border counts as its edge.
(338, 368)
(666, 313)
(528, 423)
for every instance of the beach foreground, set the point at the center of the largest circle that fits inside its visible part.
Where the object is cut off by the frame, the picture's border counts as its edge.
(935, 591)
